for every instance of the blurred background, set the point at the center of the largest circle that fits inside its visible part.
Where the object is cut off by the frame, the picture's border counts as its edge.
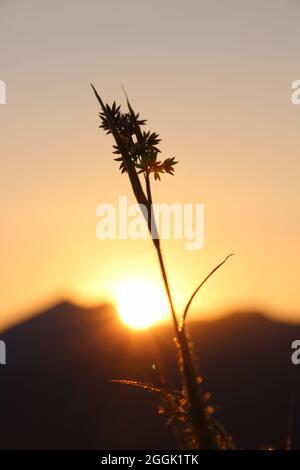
(214, 79)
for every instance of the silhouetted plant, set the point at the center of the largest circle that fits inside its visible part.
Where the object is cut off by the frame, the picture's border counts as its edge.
(187, 409)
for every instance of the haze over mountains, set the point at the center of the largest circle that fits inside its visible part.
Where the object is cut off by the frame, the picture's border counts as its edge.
(56, 391)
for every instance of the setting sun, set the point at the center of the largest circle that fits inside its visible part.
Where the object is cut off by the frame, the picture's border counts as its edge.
(141, 304)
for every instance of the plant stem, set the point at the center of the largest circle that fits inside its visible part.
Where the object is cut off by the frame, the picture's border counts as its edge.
(198, 418)
(166, 283)
(199, 421)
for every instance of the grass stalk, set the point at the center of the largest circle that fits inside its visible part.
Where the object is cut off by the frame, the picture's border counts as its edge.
(138, 154)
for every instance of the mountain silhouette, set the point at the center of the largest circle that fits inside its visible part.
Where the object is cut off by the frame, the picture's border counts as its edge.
(56, 390)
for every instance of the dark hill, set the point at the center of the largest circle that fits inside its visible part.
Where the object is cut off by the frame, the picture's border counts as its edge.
(56, 394)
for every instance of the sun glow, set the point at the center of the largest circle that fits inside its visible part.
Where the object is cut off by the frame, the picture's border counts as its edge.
(141, 304)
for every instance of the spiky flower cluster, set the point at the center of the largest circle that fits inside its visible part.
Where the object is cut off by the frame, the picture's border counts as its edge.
(140, 146)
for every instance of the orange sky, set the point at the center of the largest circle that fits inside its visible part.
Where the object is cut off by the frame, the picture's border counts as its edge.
(214, 79)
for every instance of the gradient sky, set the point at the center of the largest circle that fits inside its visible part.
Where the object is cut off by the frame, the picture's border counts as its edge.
(214, 79)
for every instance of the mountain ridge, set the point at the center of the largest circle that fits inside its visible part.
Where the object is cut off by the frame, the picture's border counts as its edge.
(56, 391)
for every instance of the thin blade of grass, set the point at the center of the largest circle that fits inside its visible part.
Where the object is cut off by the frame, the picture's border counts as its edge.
(144, 385)
(199, 287)
(289, 438)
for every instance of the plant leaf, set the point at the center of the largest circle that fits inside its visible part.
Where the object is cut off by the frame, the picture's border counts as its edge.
(198, 288)
(144, 385)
